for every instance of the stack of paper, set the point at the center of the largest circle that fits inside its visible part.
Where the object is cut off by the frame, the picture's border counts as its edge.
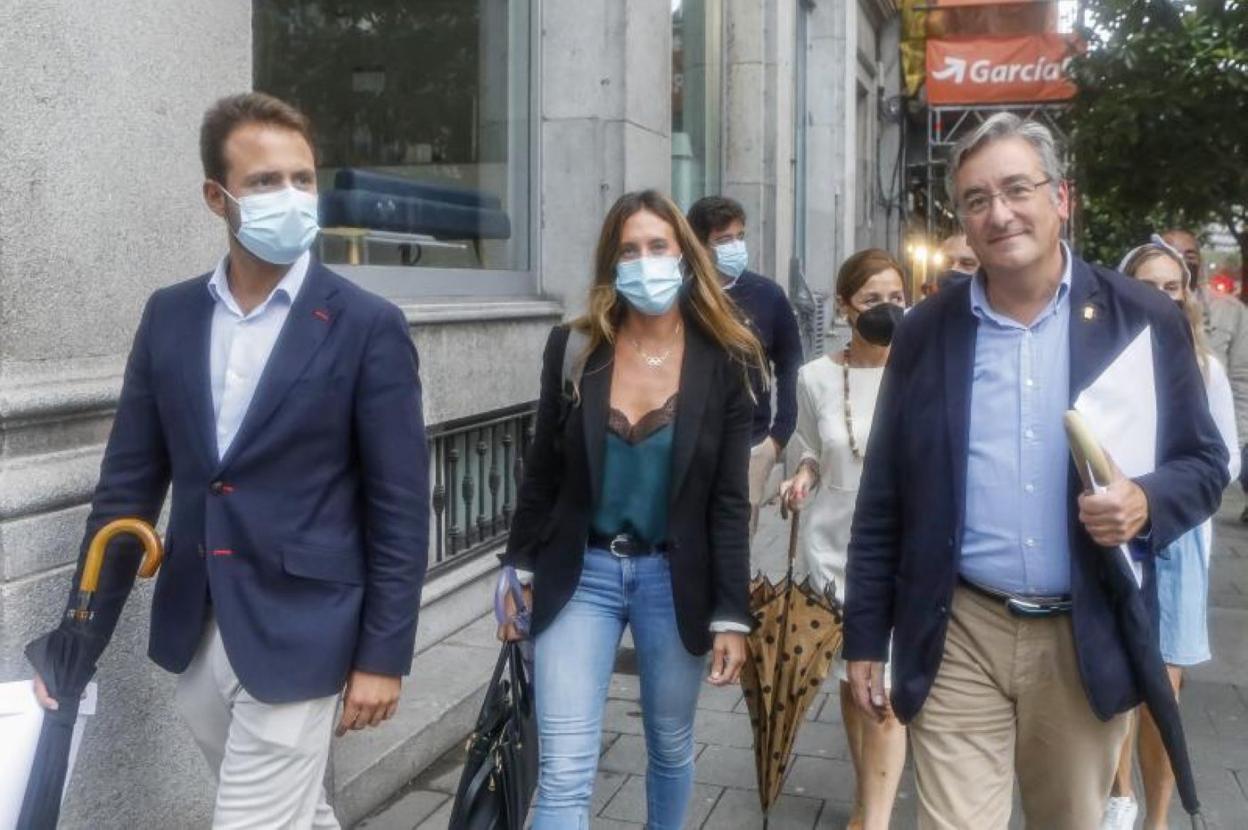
(21, 718)
(1120, 409)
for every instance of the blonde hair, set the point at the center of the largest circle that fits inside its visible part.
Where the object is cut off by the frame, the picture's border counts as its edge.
(1193, 309)
(703, 297)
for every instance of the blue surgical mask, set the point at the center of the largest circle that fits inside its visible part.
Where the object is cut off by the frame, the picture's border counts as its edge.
(279, 226)
(731, 259)
(650, 283)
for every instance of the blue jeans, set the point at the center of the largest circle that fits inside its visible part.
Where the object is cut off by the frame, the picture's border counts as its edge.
(572, 672)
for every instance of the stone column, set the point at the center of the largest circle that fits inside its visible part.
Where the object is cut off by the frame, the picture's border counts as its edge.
(830, 190)
(605, 125)
(758, 126)
(99, 205)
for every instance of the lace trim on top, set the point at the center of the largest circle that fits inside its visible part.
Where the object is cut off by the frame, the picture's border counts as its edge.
(647, 425)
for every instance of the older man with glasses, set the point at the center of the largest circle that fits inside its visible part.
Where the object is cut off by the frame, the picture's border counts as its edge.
(972, 545)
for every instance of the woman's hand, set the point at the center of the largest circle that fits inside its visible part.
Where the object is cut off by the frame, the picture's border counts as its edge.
(795, 491)
(507, 632)
(727, 658)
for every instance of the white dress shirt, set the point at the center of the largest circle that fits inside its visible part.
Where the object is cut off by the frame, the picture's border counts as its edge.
(242, 344)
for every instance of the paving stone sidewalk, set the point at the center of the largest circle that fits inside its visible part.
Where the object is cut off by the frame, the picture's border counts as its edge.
(819, 787)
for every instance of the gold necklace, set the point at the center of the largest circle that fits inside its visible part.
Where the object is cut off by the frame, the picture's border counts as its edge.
(849, 416)
(656, 361)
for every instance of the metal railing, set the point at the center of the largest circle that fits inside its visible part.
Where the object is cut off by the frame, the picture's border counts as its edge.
(476, 465)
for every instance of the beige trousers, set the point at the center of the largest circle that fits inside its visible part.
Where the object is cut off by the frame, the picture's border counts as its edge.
(1007, 701)
(268, 759)
(762, 461)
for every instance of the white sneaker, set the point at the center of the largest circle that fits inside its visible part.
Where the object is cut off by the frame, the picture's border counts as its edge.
(1120, 813)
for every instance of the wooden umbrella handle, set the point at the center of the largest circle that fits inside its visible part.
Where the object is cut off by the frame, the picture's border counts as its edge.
(1087, 451)
(794, 531)
(153, 551)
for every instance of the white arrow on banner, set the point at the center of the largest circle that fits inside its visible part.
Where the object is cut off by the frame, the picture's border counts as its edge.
(955, 68)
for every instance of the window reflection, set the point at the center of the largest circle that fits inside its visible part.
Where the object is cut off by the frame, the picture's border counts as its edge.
(422, 118)
(696, 91)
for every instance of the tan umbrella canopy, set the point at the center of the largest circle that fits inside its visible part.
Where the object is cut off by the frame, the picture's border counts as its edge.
(789, 655)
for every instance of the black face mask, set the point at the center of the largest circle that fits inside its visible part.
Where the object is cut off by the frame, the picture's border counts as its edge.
(876, 325)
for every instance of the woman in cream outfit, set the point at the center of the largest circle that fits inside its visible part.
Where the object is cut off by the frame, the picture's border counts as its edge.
(836, 396)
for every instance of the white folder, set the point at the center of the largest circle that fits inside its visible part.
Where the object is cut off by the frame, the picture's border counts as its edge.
(1119, 407)
(21, 718)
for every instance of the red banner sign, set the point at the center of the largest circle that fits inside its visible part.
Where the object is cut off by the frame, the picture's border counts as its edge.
(1000, 70)
(952, 4)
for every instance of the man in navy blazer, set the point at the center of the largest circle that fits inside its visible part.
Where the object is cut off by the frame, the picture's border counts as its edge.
(972, 546)
(283, 404)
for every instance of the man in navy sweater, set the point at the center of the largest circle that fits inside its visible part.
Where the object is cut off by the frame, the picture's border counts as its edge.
(719, 223)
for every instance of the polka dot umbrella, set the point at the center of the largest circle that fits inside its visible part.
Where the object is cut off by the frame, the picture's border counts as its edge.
(789, 655)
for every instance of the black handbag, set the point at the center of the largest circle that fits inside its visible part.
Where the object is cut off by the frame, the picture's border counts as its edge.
(500, 774)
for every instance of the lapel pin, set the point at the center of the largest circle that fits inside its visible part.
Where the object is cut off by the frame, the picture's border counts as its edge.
(321, 314)
(1089, 312)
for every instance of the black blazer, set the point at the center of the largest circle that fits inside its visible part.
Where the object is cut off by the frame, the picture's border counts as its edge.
(907, 528)
(708, 520)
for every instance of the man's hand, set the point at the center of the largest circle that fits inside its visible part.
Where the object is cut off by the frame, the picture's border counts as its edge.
(41, 694)
(866, 679)
(1117, 515)
(727, 658)
(369, 700)
(507, 632)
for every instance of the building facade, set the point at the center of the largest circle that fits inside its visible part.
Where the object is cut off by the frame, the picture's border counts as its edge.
(504, 130)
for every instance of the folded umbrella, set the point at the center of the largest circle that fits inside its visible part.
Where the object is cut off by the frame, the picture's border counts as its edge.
(1144, 653)
(66, 660)
(788, 656)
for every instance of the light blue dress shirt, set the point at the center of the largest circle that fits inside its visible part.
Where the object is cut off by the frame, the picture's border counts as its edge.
(1016, 534)
(242, 345)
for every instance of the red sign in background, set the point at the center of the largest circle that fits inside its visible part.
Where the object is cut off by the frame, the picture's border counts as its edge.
(1000, 70)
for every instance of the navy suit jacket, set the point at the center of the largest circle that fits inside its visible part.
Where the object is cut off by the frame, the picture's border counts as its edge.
(907, 530)
(308, 540)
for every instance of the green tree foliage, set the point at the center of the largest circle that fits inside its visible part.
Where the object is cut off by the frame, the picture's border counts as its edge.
(1160, 124)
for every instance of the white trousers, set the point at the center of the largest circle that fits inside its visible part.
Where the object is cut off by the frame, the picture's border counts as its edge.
(268, 759)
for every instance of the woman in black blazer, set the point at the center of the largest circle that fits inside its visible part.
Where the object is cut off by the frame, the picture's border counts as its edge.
(634, 508)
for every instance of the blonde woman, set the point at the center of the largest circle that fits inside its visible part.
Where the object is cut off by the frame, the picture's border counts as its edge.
(1183, 570)
(635, 508)
(835, 401)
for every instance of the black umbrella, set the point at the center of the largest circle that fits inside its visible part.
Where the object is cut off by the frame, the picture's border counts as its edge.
(1139, 633)
(65, 658)
(1144, 653)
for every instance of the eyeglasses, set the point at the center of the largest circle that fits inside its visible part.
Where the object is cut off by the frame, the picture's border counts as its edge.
(980, 202)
